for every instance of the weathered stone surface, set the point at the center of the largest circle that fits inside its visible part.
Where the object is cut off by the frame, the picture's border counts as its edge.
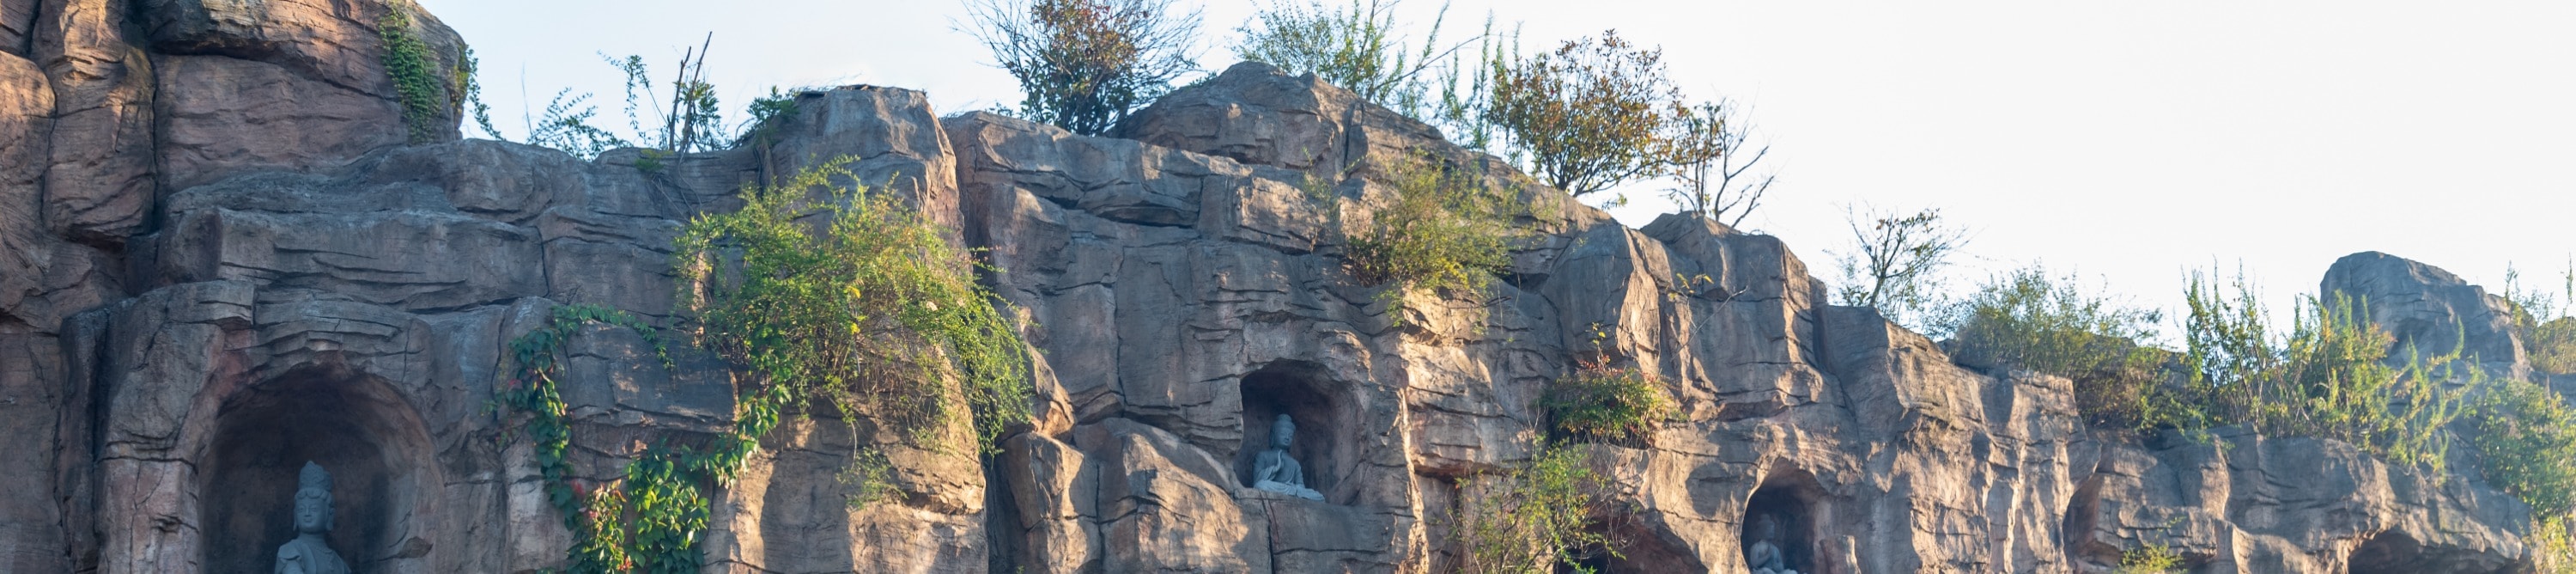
(26, 121)
(17, 26)
(2429, 309)
(306, 286)
(333, 42)
(219, 115)
(99, 186)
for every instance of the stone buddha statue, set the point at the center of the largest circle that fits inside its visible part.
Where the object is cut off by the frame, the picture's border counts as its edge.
(1273, 470)
(1765, 555)
(307, 553)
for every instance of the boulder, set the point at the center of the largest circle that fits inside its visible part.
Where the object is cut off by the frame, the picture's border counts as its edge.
(2430, 311)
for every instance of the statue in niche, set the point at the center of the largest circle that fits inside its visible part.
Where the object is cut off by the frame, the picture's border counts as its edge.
(1275, 471)
(1765, 556)
(307, 553)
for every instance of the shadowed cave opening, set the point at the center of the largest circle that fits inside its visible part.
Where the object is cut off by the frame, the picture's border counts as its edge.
(358, 429)
(1788, 499)
(1643, 549)
(2387, 553)
(1325, 435)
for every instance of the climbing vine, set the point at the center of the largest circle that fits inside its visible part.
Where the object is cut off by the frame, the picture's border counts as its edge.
(424, 92)
(877, 313)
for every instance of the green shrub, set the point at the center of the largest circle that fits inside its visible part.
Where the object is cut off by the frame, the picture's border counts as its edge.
(2027, 320)
(1604, 404)
(2331, 377)
(1084, 64)
(2150, 559)
(1534, 518)
(2553, 546)
(1445, 230)
(1354, 47)
(874, 312)
(2526, 442)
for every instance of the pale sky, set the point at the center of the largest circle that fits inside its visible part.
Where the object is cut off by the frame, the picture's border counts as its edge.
(2128, 141)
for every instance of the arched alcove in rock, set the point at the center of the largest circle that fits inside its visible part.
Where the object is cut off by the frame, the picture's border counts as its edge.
(1326, 432)
(358, 428)
(1793, 499)
(2387, 553)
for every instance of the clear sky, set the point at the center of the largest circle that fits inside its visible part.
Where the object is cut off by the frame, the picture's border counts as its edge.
(2126, 141)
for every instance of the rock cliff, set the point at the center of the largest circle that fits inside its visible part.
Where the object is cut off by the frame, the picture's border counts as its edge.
(219, 258)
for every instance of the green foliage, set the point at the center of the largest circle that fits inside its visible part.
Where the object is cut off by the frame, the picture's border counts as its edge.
(1356, 48)
(2526, 439)
(2150, 559)
(2331, 377)
(422, 87)
(877, 311)
(566, 126)
(2553, 546)
(1599, 403)
(1534, 518)
(1592, 114)
(1084, 64)
(688, 121)
(1446, 230)
(466, 70)
(874, 311)
(2546, 322)
(1897, 264)
(2028, 320)
(691, 121)
(649, 520)
(765, 112)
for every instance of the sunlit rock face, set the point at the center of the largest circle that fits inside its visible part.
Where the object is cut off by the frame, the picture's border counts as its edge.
(205, 285)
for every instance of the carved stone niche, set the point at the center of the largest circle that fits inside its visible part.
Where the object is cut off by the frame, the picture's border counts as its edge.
(1796, 502)
(356, 427)
(1325, 440)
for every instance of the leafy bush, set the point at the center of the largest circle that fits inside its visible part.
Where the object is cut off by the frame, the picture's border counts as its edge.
(1356, 48)
(1589, 115)
(2027, 320)
(875, 312)
(2553, 546)
(1084, 64)
(1598, 403)
(2330, 378)
(1534, 518)
(2526, 439)
(1445, 231)
(2150, 559)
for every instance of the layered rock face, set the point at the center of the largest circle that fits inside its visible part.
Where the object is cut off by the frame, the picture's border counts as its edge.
(223, 261)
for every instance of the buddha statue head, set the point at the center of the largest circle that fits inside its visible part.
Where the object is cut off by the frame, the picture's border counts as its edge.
(1282, 432)
(313, 500)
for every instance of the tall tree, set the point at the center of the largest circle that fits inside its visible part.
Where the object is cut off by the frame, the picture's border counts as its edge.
(1591, 114)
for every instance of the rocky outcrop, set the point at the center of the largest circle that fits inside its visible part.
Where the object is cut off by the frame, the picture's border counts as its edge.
(2430, 311)
(228, 262)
